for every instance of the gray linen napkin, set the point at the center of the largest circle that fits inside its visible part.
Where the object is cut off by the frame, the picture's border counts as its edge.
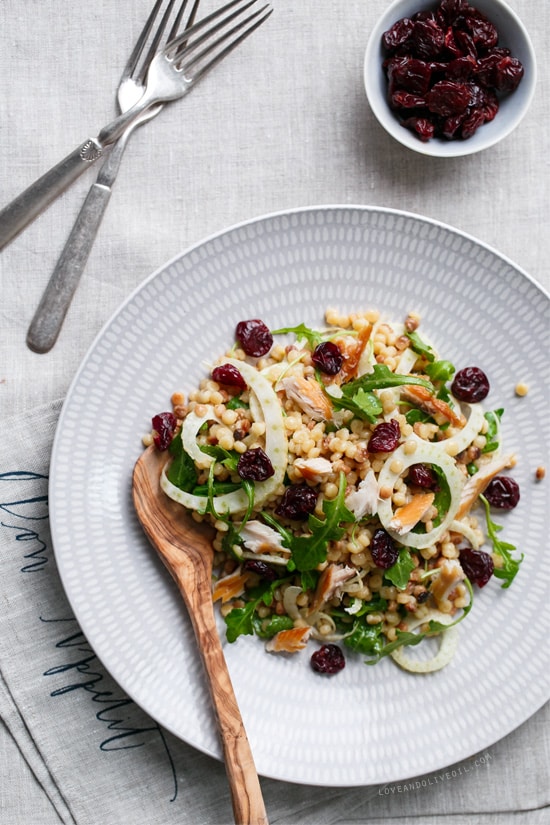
(101, 760)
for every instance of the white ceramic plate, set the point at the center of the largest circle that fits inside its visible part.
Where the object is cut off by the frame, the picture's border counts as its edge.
(366, 725)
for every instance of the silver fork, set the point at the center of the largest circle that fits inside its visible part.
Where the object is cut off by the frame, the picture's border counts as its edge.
(50, 314)
(172, 73)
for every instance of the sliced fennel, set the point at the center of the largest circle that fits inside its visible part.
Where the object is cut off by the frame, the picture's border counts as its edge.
(189, 431)
(276, 447)
(464, 437)
(447, 648)
(425, 453)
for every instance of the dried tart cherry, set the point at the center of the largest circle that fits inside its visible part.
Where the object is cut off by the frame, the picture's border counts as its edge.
(445, 71)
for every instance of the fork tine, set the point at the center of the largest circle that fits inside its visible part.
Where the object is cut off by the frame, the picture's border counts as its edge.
(130, 66)
(173, 45)
(158, 35)
(259, 16)
(177, 21)
(154, 47)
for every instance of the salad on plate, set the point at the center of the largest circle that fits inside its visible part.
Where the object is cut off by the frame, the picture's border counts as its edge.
(351, 474)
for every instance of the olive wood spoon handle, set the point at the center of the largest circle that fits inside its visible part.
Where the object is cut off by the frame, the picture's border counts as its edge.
(185, 548)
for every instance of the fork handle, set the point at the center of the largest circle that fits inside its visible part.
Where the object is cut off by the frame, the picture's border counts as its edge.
(50, 313)
(30, 203)
(56, 299)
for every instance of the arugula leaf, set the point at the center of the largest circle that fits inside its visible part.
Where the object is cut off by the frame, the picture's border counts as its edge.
(231, 538)
(510, 566)
(439, 627)
(442, 499)
(229, 458)
(445, 395)
(374, 605)
(310, 551)
(403, 638)
(364, 405)
(400, 571)
(419, 346)
(286, 534)
(182, 471)
(493, 418)
(382, 378)
(309, 579)
(358, 395)
(250, 490)
(265, 630)
(312, 336)
(440, 371)
(243, 621)
(219, 488)
(409, 638)
(377, 603)
(239, 621)
(236, 403)
(414, 415)
(365, 638)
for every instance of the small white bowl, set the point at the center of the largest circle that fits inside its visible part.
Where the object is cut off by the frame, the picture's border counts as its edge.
(513, 106)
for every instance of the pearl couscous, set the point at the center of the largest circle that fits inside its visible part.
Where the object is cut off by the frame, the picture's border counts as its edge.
(348, 475)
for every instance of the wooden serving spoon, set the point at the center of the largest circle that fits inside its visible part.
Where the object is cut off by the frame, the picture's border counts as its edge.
(185, 547)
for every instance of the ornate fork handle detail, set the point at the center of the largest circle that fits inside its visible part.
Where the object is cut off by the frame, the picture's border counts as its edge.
(171, 74)
(40, 194)
(91, 150)
(30, 203)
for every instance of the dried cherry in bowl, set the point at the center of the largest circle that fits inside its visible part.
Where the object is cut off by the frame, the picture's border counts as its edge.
(512, 106)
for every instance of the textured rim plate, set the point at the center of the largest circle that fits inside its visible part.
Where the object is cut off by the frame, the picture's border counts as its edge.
(368, 724)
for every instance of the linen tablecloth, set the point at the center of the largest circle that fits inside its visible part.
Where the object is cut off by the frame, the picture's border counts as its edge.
(283, 123)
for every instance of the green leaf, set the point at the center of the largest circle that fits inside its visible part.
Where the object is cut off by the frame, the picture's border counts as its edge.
(244, 621)
(236, 403)
(399, 572)
(239, 622)
(310, 551)
(409, 638)
(250, 490)
(229, 458)
(219, 488)
(444, 394)
(382, 378)
(363, 404)
(365, 638)
(439, 627)
(412, 416)
(284, 532)
(231, 538)
(358, 395)
(267, 629)
(181, 471)
(493, 418)
(309, 579)
(375, 605)
(440, 371)
(419, 346)
(403, 638)
(510, 565)
(443, 498)
(312, 336)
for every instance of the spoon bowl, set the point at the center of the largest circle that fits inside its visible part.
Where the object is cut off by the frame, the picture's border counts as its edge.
(185, 548)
